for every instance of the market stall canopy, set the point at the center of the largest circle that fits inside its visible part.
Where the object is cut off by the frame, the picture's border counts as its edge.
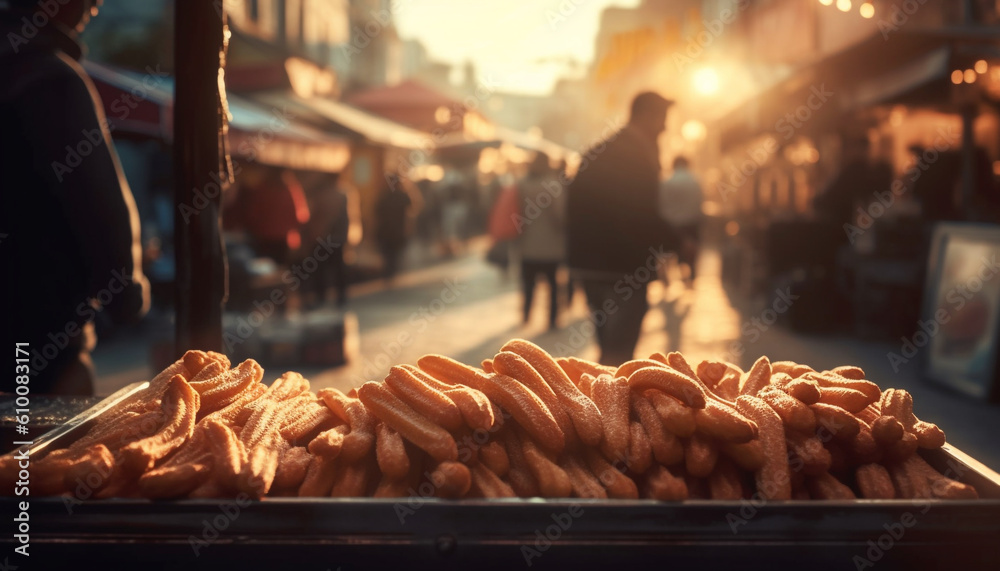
(421, 107)
(141, 104)
(456, 142)
(872, 72)
(349, 121)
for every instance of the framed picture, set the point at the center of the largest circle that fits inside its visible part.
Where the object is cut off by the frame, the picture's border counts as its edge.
(961, 314)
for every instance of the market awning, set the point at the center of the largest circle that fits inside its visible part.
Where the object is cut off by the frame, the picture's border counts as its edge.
(135, 103)
(141, 104)
(272, 137)
(872, 72)
(504, 135)
(349, 121)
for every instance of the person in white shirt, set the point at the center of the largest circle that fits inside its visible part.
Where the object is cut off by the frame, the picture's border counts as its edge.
(680, 204)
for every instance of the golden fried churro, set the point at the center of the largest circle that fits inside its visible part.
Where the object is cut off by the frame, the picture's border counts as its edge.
(826, 487)
(612, 398)
(173, 481)
(628, 367)
(424, 398)
(451, 480)
(758, 377)
(681, 365)
(486, 484)
(519, 474)
(790, 368)
(836, 421)
(413, 426)
(360, 440)
(773, 480)
(529, 411)
(553, 482)
(722, 421)
(351, 481)
(303, 420)
(807, 453)
(700, 455)
(794, 413)
(831, 379)
(494, 455)
(514, 366)
(319, 477)
(725, 483)
(618, 485)
(677, 418)
(887, 431)
(847, 399)
(874, 482)
(292, 468)
(487, 365)
(662, 485)
(669, 381)
(640, 451)
(585, 414)
(228, 452)
(584, 483)
(850, 372)
(804, 390)
(180, 407)
(666, 447)
(942, 487)
(391, 453)
(329, 443)
(225, 388)
(748, 455)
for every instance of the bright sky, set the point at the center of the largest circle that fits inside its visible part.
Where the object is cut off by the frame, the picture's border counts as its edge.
(519, 45)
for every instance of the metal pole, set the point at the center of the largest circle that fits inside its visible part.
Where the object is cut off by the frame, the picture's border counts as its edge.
(202, 170)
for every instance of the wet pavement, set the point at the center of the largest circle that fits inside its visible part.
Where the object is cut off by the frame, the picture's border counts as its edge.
(466, 309)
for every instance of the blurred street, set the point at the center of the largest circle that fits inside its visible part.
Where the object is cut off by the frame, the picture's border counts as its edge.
(466, 309)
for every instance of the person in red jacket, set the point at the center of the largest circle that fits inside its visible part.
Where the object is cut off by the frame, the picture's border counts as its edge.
(69, 232)
(615, 235)
(272, 208)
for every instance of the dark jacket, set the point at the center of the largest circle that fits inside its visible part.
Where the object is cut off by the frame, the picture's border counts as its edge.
(612, 209)
(68, 218)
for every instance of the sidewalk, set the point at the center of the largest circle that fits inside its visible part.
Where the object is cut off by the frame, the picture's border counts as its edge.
(467, 309)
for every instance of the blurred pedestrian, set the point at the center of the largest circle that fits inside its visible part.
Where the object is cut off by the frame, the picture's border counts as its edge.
(396, 207)
(71, 231)
(330, 223)
(681, 199)
(272, 208)
(542, 239)
(454, 213)
(615, 236)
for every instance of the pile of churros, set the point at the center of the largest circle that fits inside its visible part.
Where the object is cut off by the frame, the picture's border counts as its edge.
(523, 424)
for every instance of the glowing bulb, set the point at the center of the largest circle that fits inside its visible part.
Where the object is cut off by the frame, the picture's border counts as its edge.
(981, 66)
(706, 81)
(867, 10)
(826, 2)
(957, 76)
(693, 131)
(970, 76)
(844, 5)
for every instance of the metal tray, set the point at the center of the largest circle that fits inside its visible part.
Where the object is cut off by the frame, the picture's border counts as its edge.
(342, 534)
